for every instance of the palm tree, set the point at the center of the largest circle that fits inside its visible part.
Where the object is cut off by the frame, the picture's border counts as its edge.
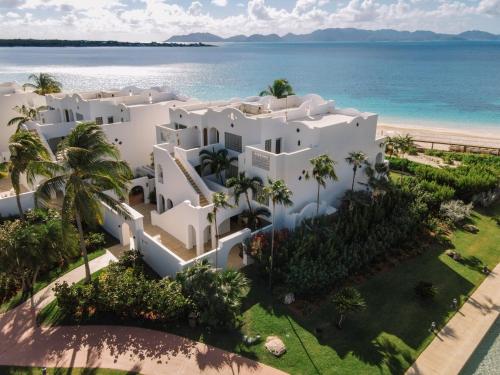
(254, 217)
(87, 165)
(219, 201)
(378, 179)
(346, 301)
(25, 114)
(27, 155)
(323, 170)
(43, 83)
(356, 159)
(279, 89)
(278, 193)
(218, 161)
(241, 184)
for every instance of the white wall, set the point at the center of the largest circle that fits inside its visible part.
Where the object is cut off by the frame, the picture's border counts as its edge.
(7, 103)
(8, 205)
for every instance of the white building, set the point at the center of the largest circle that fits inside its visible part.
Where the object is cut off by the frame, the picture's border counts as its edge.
(11, 95)
(271, 138)
(268, 137)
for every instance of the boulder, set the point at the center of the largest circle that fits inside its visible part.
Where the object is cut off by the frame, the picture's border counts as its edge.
(471, 228)
(275, 346)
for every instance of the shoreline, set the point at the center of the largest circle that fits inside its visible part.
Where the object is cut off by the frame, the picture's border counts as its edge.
(487, 138)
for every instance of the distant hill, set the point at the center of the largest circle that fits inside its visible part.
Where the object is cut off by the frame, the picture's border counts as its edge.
(340, 35)
(89, 43)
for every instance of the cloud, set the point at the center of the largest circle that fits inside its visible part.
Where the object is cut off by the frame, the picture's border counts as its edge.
(11, 3)
(489, 7)
(220, 3)
(159, 19)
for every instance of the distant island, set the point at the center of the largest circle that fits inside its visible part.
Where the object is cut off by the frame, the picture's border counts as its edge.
(91, 43)
(340, 35)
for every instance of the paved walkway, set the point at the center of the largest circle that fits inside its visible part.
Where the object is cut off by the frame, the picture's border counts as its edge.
(22, 343)
(454, 344)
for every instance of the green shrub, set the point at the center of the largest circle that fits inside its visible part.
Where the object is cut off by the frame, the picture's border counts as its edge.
(94, 241)
(455, 211)
(425, 290)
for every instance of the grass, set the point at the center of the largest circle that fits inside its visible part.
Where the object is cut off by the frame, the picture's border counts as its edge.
(385, 338)
(46, 279)
(14, 370)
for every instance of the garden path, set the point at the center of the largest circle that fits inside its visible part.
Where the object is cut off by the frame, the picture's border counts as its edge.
(457, 340)
(23, 343)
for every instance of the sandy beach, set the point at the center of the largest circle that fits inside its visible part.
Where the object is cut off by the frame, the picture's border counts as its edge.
(487, 138)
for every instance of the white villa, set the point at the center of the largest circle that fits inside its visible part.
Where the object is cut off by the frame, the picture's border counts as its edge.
(170, 199)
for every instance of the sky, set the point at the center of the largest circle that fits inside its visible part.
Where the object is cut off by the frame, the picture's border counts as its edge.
(156, 20)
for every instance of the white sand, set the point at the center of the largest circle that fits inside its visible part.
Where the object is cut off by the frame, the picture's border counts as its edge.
(479, 137)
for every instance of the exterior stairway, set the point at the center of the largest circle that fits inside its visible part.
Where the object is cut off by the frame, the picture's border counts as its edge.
(203, 200)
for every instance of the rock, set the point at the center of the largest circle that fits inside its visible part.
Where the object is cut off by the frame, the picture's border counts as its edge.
(289, 298)
(454, 255)
(275, 346)
(471, 228)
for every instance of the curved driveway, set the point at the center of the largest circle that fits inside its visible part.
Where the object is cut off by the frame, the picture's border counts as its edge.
(141, 350)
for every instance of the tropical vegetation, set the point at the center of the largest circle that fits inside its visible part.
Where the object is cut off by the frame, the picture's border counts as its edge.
(347, 300)
(219, 201)
(280, 88)
(87, 165)
(278, 193)
(28, 157)
(323, 170)
(26, 114)
(356, 159)
(216, 161)
(129, 291)
(43, 83)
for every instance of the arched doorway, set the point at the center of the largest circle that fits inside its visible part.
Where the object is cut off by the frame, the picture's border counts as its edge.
(213, 136)
(235, 257)
(169, 204)
(380, 158)
(136, 196)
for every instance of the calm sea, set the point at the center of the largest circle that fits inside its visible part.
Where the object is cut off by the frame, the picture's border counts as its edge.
(445, 84)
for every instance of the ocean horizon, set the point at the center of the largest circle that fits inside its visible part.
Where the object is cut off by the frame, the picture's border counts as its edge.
(429, 84)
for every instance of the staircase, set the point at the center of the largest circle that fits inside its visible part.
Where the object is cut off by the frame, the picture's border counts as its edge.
(203, 200)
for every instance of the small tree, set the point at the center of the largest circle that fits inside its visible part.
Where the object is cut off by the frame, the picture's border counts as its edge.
(43, 83)
(356, 160)
(26, 114)
(280, 194)
(348, 300)
(217, 161)
(27, 156)
(280, 88)
(219, 201)
(323, 170)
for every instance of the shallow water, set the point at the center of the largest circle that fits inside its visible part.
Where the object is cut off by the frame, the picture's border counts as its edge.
(445, 84)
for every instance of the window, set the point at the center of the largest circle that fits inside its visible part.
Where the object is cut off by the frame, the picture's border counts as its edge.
(179, 126)
(111, 120)
(260, 160)
(268, 145)
(79, 116)
(98, 120)
(232, 171)
(278, 146)
(233, 142)
(160, 174)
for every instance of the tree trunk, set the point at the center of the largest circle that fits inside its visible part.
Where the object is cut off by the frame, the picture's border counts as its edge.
(341, 318)
(33, 280)
(19, 207)
(24, 287)
(353, 178)
(317, 201)
(216, 239)
(272, 253)
(83, 248)
(248, 202)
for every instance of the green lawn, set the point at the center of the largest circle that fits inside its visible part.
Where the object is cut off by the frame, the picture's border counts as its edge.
(13, 370)
(385, 338)
(46, 279)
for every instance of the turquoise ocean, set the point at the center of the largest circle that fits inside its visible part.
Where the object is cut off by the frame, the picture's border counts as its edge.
(437, 84)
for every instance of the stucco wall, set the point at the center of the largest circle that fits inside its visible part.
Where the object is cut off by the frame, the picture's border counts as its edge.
(8, 206)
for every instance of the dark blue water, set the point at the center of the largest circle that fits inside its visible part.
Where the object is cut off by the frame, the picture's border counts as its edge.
(448, 84)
